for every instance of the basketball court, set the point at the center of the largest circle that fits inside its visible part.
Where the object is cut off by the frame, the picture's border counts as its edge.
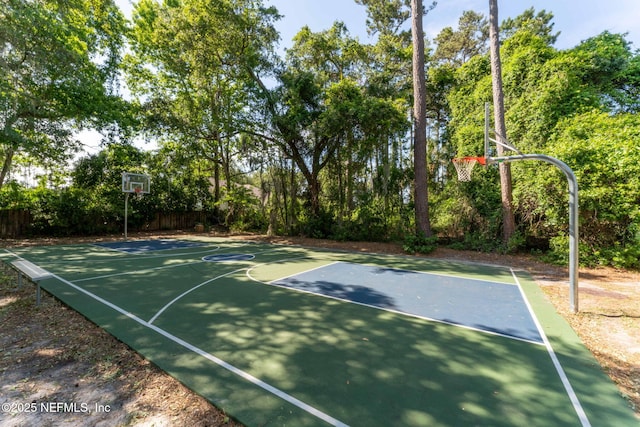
(287, 335)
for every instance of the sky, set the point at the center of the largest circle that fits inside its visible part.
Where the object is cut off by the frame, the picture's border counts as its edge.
(576, 20)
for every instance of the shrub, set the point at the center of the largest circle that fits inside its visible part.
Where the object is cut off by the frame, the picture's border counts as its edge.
(420, 244)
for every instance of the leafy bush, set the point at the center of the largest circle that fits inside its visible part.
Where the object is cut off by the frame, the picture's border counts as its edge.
(367, 223)
(15, 196)
(242, 209)
(317, 226)
(419, 244)
(602, 151)
(619, 256)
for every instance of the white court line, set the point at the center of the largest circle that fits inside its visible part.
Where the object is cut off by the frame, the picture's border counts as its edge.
(447, 275)
(143, 251)
(164, 267)
(294, 274)
(415, 316)
(90, 258)
(170, 303)
(165, 255)
(245, 375)
(584, 420)
(296, 402)
(106, 276)
(427, 273)
(213, 247)
(173, 301)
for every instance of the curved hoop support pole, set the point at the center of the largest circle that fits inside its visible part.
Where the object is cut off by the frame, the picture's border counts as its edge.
(573, 215)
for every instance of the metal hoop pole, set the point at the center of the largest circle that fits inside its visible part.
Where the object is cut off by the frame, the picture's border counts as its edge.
(486, 130)
(501, 140)
(573, 216)
(126, 208)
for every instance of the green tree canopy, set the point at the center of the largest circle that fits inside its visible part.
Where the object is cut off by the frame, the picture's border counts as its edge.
(469, 40)
(602, 149)
(195, 65)
(59, 61)
(571, 104)
(540, 23)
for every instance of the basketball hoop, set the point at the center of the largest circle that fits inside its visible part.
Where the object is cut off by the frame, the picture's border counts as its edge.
(138, 192)
(137, 184)
(464, 166)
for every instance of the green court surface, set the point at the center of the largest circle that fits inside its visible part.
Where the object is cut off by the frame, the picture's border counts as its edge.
(279, 335)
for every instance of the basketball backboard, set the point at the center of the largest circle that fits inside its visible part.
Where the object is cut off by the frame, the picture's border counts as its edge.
(136, 183)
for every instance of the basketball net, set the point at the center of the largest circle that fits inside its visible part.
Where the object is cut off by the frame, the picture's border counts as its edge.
(138, 192)
(464, 166)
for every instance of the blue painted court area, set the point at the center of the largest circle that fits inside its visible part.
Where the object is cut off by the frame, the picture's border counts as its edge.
(483, 305)
(142, 246)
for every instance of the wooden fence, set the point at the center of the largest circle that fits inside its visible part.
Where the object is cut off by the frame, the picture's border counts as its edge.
(175, 221)
(14, 223)
(19, 223)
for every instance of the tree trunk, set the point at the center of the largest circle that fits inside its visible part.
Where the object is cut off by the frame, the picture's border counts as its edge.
(387, 173)
(314, 194)
(421, 196)
(293, 196)
(350, 174)
(6, 165)
(508, 221)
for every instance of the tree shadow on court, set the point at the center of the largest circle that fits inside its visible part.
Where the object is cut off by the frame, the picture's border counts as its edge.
(397, 271)
(407, 264)
(363, 366)
(353, 293)
(358, 365)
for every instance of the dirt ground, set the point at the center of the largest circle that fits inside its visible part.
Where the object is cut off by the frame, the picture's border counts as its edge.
(52, 355)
